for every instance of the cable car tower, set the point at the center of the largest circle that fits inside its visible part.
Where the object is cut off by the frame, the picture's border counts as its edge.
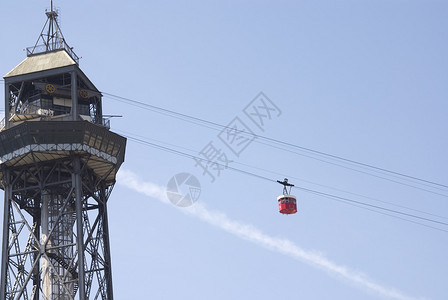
(58, 163)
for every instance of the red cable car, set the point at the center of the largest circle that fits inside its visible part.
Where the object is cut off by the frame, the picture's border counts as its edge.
(287, 204)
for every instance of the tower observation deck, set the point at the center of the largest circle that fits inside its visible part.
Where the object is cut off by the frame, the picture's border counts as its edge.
(58, 164)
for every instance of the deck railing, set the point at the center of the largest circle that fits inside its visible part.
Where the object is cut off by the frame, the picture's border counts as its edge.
(44, 48)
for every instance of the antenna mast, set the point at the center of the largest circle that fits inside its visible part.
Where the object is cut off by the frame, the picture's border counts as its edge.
(51, 37)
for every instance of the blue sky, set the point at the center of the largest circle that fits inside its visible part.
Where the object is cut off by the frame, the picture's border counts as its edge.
(363, 80)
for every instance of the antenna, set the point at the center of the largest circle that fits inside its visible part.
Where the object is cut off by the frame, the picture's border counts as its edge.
(51, 37)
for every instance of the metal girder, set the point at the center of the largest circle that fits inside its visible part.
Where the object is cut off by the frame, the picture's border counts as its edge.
(55, 234)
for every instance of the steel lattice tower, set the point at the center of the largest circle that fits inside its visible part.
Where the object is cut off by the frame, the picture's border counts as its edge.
(58, 162)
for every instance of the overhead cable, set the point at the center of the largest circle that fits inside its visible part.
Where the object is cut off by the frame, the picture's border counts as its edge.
(216, 126)
(356, 203)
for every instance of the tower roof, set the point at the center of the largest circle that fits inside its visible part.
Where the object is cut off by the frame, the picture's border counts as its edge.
(42, 62)
(50, 51)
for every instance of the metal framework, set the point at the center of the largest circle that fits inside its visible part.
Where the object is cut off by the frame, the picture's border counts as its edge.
(58, 163)
(57, 177)
(51, 37)
(285, 185)
(57, 237)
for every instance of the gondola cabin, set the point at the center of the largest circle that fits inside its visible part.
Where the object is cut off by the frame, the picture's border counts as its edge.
(287, 204)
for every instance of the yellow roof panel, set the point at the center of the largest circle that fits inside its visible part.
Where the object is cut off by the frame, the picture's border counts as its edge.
(42, 62)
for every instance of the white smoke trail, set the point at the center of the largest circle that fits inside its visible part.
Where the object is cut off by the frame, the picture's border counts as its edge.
(251, 233)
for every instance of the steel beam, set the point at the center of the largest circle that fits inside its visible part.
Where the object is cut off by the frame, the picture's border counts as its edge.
(5, 258)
